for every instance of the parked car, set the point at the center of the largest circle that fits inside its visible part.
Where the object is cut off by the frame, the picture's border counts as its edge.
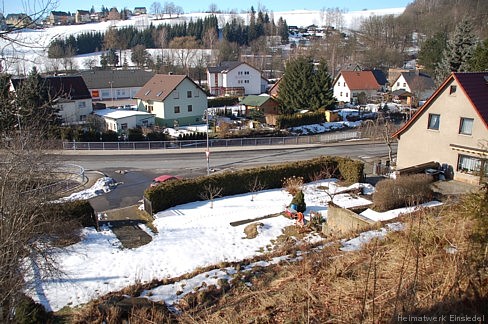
(163, 178)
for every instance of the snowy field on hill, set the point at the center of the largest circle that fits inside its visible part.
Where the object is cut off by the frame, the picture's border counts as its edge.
(31, 45)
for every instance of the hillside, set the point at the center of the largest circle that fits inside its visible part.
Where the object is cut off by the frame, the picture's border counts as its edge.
(434, 16)
(424, 272)
(31, 45)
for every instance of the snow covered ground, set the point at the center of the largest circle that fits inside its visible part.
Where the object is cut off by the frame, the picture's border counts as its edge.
(189, 236)
(30, 48)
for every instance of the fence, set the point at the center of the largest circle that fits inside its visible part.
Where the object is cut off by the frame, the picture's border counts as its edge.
(231, 142)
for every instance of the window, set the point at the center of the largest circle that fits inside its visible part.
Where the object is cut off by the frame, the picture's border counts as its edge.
(338, 84)
(452, 89)
(81, 104)
(434, 120)
(398, 84)
(190, 108)
(82, 117)
(466, 126)
(149, 109)
(188, 94)
(473, 165)
(60, 107)
(177, 109)
(123, 126)
(176, 95)
(246, 81)
(347, 94)
(341, 94)
(196, 94)
(405, 84)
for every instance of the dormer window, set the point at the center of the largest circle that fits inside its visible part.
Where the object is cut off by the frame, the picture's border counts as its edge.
(452, 89)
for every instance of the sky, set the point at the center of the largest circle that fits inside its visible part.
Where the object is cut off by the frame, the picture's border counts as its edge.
(29, 6)
(190, 236)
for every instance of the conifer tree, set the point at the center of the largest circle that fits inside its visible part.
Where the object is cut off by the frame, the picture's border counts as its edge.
(479, 60)
(305, 86)
(458, 52)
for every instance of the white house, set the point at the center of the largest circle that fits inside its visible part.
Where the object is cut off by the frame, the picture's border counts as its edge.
(349, 84)
(174, 99)
(235, 79)
(71, 95)
(120, 120)
(420, 85)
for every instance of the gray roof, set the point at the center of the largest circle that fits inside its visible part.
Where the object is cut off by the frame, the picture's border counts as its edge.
(224, 66)
(418, 81)
(101, 79)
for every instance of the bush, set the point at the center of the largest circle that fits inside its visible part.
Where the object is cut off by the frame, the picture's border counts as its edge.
(27, 311)
(223, 101)
(287, 121)
(404, 191)
(293, 185)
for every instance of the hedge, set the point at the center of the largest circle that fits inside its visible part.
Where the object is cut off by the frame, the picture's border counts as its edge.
(287, 121)
(174, 193)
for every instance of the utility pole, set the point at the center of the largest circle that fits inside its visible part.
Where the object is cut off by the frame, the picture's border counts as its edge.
(207, 152)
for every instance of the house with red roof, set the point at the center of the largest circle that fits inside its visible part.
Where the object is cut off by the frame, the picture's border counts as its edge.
(451, 128)
(349, 84)
(173, 99)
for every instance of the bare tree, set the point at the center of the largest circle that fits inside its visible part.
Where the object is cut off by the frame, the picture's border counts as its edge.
(185, 50)
(212, 8)
(169, 8)
(254, 186)
(157, 10)
(210, 193)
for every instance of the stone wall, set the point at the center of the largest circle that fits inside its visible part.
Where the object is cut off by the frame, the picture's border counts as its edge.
(343, 220)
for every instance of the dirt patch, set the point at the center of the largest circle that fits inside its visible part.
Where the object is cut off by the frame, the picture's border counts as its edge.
(252, 230)
(125, 223)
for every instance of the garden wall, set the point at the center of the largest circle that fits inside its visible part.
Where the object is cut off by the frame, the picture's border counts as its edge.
(344, 220)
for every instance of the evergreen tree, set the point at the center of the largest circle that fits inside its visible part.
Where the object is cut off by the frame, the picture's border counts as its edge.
(431, 52)
(112, 57)
(458, 52)
(323, 96)
(479, 60)
(283, 31)
(305, 87)
(34, 103)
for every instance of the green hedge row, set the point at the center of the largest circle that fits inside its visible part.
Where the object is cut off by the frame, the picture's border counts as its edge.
(174, 193)
(223, 101)
(287, 121)
(78, 210)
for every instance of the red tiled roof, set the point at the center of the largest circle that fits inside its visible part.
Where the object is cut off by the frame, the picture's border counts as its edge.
(360, 80)
(474, 85)
(159, 87)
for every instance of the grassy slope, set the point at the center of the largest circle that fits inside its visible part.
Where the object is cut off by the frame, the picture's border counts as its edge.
(434, 267)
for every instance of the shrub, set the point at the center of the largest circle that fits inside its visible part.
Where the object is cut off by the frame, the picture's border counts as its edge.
(293, 185)
(28, 311)
(401, 192)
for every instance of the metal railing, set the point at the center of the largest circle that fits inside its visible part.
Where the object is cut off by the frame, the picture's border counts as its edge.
(231, 142)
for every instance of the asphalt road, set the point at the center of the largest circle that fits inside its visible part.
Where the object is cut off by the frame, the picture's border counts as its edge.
(134, 170)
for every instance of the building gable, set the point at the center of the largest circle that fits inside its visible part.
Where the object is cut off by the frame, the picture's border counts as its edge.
(473, 85)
